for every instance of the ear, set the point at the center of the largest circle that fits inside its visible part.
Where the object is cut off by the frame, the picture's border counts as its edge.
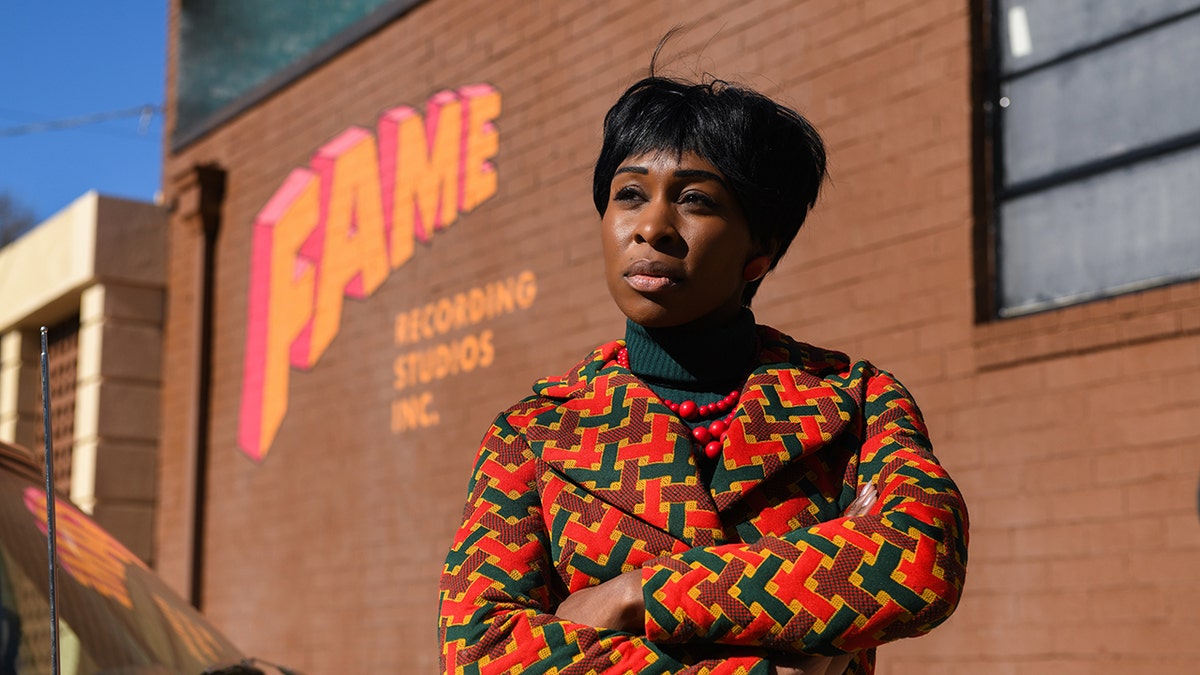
(756, 268)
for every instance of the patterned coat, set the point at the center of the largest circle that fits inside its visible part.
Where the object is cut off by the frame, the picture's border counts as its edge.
(593, 476)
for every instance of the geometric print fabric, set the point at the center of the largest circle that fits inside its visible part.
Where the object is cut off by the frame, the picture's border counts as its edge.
(593, 476)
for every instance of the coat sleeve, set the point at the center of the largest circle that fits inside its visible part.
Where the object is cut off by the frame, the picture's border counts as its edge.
(843, 585)
(496, 605)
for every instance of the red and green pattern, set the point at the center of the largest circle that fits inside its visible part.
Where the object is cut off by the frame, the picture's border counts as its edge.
(593, 476)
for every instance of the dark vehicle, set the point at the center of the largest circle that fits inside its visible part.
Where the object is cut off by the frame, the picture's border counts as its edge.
(116, 617)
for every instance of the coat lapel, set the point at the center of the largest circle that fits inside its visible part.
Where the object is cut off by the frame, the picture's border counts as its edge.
(787, 411)
(611, 436)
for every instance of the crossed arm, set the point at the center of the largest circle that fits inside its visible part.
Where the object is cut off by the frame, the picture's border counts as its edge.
(906, 556)
(497, 605)
(619, 604)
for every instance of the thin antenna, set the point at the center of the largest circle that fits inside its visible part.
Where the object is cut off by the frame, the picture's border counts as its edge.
(51, 530)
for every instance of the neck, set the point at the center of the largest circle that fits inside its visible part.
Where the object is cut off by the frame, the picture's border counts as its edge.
(693, 359)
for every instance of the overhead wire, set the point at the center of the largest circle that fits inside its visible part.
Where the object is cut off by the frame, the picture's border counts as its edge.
(145, 113)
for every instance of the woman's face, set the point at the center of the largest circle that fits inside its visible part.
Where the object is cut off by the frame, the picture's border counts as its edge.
(675, 241)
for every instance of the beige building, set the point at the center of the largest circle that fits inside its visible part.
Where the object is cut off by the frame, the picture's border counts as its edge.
(94, 274)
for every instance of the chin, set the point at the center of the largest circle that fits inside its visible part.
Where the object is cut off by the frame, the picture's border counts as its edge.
(650, 314)
(657, 317)
(653, 316)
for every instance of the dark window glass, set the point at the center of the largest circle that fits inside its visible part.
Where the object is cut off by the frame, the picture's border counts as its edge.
(1114, 232)
(1096, 148)
(1036, 31)
(230, 48)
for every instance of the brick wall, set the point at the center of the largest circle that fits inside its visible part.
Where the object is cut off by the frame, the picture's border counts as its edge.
(1071, 433)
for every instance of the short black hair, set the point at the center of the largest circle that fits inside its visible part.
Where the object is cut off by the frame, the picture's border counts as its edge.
(773, 158)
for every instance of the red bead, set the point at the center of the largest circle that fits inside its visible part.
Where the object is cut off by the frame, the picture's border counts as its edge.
(687, 410)
(673, 406)
(712, 449)
(735, 394)
(705, 410)
(724, 435)
(702, 435)
(716, 428)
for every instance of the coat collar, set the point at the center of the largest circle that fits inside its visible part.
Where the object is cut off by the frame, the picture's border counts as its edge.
(610, 434)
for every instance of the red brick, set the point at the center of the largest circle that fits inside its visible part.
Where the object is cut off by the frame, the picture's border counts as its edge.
(1070, 432)
(1086, 572)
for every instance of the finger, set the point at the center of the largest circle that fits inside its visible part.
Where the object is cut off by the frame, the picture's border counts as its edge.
(866, 498)
(869, 496)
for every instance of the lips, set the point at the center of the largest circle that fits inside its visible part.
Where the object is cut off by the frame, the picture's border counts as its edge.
(648, 276)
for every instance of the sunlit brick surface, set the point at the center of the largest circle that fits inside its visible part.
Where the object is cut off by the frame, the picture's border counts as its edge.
(1072, 433)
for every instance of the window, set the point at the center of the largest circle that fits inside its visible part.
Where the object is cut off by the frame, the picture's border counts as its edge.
(1091, 118)
(232, 53)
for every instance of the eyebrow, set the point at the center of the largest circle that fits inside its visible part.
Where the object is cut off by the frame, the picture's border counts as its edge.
(679, 173)
(699, 173)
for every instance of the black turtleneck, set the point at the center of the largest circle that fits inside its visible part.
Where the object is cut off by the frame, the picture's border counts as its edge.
(686, 362)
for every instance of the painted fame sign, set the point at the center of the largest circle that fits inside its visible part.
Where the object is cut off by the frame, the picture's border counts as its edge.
(340, 226)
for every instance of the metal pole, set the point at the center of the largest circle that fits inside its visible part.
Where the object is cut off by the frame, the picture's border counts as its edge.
(51, 530)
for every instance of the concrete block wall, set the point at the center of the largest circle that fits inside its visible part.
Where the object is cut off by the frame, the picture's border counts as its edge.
(117, 410)
(101, 259)
(21, 395)
(1070, 432)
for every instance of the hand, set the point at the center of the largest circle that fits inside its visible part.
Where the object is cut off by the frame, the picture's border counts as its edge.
(811, 665)
(616, 604)
(867, 496)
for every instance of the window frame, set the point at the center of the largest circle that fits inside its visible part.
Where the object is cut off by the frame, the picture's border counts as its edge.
(988, 80)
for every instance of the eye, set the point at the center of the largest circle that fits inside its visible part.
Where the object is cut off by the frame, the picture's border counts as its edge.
(628, 193)
(697, 198)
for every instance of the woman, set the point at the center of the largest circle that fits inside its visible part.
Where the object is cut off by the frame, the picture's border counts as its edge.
(684, 500)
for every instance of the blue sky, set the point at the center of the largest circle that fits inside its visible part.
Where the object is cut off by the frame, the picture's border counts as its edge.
(72, 59)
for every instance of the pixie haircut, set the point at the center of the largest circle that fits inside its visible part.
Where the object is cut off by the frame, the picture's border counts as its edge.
(772, 158)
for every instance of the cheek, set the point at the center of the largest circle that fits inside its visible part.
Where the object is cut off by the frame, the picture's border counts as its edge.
(725, 257)
(610, 251)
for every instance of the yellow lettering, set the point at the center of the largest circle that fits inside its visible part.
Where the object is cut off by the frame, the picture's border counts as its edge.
(353, 261)
(414, 412)
(404, 328)
(280, 309)
(526, 289)
(460, 310)
(425, 186)
(478, 304)
(504, 302)
(339, 229)
(464, 309)
(427, 321)
(487, 353)
(444, 317)
(469, 355)
(399, 370)
(483, 141)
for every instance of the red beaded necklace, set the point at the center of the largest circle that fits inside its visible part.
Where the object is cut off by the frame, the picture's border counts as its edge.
(708, 437)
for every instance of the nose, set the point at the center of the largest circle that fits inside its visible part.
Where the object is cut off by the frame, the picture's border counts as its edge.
(656, 224)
